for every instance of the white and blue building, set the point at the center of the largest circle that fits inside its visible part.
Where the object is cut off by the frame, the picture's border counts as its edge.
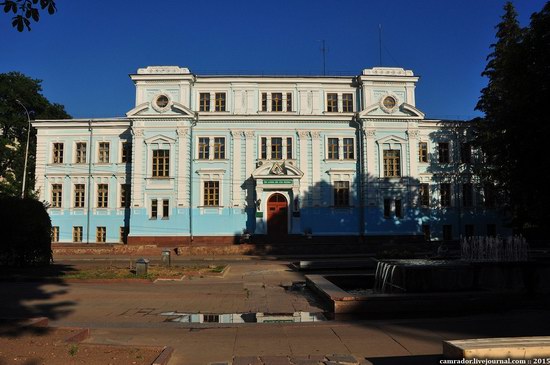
(212, 158)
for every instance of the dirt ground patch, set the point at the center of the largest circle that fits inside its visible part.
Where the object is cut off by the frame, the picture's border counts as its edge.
(49, 347)
(106, 271)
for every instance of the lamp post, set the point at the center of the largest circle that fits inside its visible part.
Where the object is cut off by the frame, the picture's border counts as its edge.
(26, 149)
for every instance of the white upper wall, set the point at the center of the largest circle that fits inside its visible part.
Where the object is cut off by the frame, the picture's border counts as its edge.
(255, 95)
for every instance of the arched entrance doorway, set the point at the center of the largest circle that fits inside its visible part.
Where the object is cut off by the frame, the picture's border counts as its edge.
(277, 215)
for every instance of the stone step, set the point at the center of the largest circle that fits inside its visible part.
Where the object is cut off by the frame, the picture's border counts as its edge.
(498, 348)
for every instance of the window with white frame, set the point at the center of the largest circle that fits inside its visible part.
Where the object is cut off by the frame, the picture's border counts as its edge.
(102, 195)
(211, 193)
(340, 148)
(276, 148)
(77, 233)
(101, 234)
(79, 195)
(57, 152)
(161, 163)
(211, 148)
(57, 195)
(339, 102)
(341, 194)
(55, 234)
(103, 152)
(392, 163)
(125, 195)
(126, 152)
(347, 103)
(80, 152)
(276, 102)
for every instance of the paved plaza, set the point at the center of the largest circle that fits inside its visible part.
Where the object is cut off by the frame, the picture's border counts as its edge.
(131, 313)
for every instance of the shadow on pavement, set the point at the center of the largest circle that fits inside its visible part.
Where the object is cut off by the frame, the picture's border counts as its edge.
(30, 292)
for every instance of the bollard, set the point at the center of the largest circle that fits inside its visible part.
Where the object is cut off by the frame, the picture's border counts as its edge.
(141, 267)
(165, 258)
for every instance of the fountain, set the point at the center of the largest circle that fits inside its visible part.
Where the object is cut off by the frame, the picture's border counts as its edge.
(491, 272)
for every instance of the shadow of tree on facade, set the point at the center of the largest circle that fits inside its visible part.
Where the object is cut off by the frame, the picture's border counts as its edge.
(31, 292)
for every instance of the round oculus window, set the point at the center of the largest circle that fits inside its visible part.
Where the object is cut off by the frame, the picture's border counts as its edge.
(162, 101)
(389, 102)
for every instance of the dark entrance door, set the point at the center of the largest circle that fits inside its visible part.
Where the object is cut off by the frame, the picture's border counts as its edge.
(277, 215)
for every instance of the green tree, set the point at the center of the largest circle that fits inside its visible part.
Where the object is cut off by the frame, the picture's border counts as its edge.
(510, 133)
(25, 11)
(13, 129)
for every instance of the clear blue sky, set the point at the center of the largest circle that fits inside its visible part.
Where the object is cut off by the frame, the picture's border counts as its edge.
(85, 52)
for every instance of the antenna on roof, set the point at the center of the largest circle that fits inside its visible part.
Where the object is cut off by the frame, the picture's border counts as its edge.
(380, 43)
(324, 50)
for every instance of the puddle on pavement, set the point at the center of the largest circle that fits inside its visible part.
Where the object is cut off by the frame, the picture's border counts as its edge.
(250, 317)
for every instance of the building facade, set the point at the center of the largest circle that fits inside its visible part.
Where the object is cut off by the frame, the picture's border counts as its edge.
(214, 158)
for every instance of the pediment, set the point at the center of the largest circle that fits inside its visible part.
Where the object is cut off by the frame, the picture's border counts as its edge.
(391, 139)
(277, 169)
(159, 138)
(403, 111)
(146, 110)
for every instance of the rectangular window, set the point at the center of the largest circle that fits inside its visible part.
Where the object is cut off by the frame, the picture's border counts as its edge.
(288, 102)
(57, 153)
(469, 230)
(347, 103)
(289, 148)
(426, 232)
(220, 102)
(204, 102)
(103, 152)
(165, 209)
(80, 152)
(100, 234)
(264, 102)
(123, 235)
(55, 234)
(154, 209)
(332, 102)
(126, 153)
(276, 148)
(447, 232)
(204, 148)
(333, 147)
(57, 195)
(219, 148)
(102, 195)
(422, 152)
(276, 102)
(387, 208)
(161, 163)
(125, 195)
(341, 193)
(443, 151)
(77, 234)
(392, 163)
(467, 195)
(211, 193)
(398, 208)
(466, 152)
(424, 195)
(491, 230)
(79, 194)
(348, 149)
(211, 318)
(445, 192)
(264, 148)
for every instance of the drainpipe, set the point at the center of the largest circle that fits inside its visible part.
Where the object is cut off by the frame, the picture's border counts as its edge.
(192, 154)
(89, 156)
(359, 135)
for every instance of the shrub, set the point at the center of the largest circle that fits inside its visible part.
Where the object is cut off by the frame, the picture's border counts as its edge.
(26, 233)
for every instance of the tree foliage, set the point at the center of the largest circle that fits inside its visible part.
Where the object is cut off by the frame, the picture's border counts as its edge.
(26, 229)
(25, 11)
(511, 132)
(14, 126)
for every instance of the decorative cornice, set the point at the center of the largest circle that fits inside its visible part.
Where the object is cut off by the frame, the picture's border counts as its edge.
(249, 134)
(237, 132)
(370, 133)
(303, 134)
(182, 132)
(413, 133)
(315, 134)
